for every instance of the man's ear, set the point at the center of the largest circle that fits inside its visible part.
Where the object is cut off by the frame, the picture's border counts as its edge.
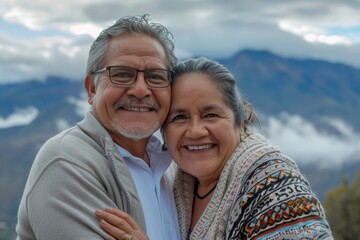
(90, 88)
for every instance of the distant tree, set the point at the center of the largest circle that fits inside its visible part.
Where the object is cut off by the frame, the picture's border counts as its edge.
(343, 209)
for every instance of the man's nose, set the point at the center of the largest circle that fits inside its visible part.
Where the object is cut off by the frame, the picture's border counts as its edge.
(139, 89)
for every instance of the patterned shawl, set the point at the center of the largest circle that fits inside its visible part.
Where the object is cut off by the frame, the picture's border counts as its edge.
(224, 218)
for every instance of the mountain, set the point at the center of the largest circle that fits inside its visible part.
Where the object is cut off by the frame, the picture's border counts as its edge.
(19, 144)
(274, 84)
(310, 88)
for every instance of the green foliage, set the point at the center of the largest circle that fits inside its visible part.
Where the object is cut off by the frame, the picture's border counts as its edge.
(343, 209)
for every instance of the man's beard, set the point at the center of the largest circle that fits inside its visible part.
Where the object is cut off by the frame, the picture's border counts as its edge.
(136, 133)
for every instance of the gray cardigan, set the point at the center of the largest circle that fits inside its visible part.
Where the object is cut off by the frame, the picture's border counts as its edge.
(76, 172)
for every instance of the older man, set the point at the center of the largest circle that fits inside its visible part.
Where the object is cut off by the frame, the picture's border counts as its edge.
(111, 158)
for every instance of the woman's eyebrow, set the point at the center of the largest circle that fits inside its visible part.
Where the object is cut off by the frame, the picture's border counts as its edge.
(209, 107)
(176, 110)
(212, 107)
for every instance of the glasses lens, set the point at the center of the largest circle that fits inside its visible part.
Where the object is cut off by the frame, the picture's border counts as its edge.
(157, 78)
(122, 75)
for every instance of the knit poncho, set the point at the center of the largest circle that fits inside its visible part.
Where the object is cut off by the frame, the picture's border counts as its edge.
(260, 195)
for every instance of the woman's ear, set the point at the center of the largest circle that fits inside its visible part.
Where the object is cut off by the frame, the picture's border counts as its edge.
(90, 87)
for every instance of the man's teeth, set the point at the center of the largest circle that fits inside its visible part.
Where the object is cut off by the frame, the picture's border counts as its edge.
(207, 146)
(137, 109)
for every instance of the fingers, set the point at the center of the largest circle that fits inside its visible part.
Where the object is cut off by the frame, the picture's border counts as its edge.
(123, 215)
(118, 224)
(113, 224)
(113, 231)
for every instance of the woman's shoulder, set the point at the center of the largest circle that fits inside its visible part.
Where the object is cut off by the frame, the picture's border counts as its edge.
(269, 169)
(275, 195)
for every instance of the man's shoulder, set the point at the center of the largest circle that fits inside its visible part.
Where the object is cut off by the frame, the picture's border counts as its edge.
(72, 145)
(66, 138)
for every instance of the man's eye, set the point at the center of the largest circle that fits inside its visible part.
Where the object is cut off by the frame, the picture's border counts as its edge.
(211, 115)
(123, 75)
(156, 77)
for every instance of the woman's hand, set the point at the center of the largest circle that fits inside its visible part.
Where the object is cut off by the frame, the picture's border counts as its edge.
(120, 225)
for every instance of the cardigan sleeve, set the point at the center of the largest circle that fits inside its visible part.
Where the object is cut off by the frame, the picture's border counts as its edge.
(276, 202)
(62, 203)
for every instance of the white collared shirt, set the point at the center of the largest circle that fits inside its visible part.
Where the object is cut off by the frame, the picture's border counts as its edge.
(155, 190)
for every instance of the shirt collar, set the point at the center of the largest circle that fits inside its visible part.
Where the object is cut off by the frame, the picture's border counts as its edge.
(158, 157)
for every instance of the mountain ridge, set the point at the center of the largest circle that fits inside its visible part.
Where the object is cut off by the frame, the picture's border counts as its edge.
(321, 85)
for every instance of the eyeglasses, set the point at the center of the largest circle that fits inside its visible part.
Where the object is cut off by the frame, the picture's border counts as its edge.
(126, 76)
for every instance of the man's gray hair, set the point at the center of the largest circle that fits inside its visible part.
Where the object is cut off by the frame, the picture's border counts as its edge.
(127, 26)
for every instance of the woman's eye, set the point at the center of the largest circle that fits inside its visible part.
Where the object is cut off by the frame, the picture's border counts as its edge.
(179, 117)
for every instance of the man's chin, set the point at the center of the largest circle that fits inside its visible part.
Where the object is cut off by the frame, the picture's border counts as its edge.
(136, 133)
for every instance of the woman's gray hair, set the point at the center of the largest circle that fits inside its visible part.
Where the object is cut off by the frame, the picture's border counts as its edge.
(225, 82)
(126, 26)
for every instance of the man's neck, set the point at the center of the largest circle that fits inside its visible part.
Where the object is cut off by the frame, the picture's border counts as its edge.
(137, 148)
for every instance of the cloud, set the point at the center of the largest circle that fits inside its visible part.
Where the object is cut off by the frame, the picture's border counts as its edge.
(62, 32)
(81, 105)
(333, 143)
(313, 35)
(20, 117)
(39, 58)
(61, 124)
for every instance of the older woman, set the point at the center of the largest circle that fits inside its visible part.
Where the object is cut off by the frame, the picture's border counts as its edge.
(231, 183)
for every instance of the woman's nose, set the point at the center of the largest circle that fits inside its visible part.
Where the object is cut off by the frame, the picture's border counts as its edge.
(196, 129)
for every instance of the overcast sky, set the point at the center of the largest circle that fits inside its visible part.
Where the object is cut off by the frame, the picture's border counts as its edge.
(42, 37)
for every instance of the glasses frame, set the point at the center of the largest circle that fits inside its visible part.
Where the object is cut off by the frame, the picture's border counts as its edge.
(108, 68)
